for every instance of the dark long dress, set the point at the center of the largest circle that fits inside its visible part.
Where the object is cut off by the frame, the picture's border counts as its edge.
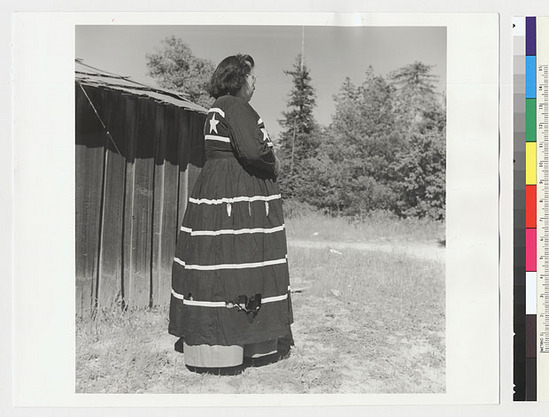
(230, 281)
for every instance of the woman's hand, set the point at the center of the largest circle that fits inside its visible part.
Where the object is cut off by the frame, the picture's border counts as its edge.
(277, 165)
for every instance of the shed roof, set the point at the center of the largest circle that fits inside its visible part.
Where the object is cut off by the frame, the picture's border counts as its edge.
(90, 76)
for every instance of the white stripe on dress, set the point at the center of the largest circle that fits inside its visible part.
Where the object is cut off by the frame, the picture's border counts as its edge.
(212, 304)
(217, 304)
(231, 266)
(231, 231)
(234, 199)
(217, 110)
(218, 138)
(275, 299)
(260, 355)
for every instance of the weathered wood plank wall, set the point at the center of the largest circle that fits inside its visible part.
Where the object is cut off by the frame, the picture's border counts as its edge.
(132, 188)
(112, 202)
(88, 179)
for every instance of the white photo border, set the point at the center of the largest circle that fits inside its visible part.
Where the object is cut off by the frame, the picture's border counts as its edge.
(43, 213)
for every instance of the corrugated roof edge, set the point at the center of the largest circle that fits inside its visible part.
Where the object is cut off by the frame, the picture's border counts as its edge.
(95, 77)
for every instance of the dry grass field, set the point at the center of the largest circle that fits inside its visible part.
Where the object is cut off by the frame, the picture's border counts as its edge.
(369, 309)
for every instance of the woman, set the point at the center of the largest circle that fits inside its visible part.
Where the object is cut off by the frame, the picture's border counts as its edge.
(230, 283)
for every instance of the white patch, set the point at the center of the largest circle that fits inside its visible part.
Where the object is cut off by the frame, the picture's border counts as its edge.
(218, 304)
(234, 199)
(232, 231)
(218, 138)
(217, 110)
(218, 267)
(213, 124)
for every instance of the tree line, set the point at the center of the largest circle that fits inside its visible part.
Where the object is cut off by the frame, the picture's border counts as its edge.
(384, 150)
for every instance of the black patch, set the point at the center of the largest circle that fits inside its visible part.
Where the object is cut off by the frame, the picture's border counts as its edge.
(179, 345)
(250, 305)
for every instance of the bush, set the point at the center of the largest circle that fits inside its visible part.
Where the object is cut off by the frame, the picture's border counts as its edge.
(294, 209)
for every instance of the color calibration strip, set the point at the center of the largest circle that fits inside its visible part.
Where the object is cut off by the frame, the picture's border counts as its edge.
(519, 213)
(531, 237)
(531, 208)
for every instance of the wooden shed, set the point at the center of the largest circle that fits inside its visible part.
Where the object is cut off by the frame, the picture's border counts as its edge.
(138, 152)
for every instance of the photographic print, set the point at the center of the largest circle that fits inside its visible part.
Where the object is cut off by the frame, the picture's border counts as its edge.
(304, 252)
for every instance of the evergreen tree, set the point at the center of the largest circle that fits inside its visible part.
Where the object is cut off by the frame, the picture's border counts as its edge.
(299, 119)
(363, 119)
(415, 95)
(175, 67)
(420, 166)
(362, 143)
(299, 140)
(348, 107)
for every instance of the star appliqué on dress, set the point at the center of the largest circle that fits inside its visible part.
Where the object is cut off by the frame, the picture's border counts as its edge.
(213, 124)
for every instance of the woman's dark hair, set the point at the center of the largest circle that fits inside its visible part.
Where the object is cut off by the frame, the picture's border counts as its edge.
(230, 75)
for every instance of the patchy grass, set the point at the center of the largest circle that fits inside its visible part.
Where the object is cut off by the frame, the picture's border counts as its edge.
(378, 227)
(365, 322)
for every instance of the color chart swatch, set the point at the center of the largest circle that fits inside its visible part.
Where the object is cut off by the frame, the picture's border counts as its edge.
(531, 208)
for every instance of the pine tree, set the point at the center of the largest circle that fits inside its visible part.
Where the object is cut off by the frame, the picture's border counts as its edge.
(299, 140)
(420, 166)
(299, 119)
(364, 127)
(415, 95)
(348, 106)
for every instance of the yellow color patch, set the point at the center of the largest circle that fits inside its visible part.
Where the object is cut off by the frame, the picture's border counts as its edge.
(531, 163)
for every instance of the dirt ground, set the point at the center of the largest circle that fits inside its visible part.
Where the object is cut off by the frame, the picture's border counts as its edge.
(342, 345)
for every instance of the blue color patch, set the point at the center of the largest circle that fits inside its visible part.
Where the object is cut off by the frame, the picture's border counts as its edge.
(531, 77)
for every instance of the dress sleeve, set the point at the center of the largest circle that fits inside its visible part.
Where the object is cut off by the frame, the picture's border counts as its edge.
(250, 139)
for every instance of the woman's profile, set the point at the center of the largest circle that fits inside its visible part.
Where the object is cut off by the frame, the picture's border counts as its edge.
(230, 302)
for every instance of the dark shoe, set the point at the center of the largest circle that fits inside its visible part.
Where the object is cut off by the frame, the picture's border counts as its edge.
(179, 345)
(232, 370)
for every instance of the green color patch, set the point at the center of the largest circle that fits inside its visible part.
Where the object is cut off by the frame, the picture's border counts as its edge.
(531, 130)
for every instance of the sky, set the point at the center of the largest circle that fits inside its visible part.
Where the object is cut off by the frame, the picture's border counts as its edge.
(331, 53)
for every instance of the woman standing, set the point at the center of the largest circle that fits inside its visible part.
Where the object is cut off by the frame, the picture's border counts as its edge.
(230, 283)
